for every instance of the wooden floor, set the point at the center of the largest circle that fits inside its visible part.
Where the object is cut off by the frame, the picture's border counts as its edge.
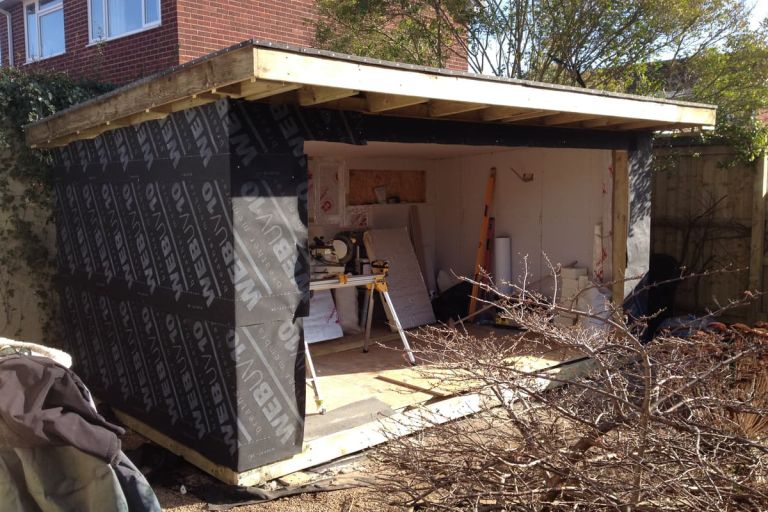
(358, 387)
(368, 397)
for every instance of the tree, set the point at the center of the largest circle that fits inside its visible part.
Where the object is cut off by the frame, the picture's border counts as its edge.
(572, 42)
(697, 50)
(735, 78)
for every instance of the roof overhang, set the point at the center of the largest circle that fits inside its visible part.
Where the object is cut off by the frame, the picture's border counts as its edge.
(259, 71)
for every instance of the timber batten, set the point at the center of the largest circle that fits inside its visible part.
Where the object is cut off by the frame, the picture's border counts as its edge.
(255, 71)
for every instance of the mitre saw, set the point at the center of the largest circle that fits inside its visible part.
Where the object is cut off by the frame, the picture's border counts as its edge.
(330, 258)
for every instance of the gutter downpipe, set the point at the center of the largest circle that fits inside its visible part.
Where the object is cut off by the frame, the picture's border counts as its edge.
(10, 35)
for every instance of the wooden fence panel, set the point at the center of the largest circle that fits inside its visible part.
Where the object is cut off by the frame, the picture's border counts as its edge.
(703, 216)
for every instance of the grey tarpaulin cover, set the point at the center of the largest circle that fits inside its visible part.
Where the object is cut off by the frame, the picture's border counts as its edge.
(56, 452)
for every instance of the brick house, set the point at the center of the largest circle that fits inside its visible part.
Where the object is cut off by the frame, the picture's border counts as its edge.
(118, 41)
(87, 38)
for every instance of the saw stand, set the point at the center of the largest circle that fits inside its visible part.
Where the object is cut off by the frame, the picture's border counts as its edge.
(372, 282)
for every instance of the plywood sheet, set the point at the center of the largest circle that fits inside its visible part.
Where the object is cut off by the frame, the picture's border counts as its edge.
(406, 284)
(409, 186)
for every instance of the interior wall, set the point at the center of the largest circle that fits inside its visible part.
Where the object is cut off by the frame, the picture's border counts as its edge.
(554, 214)
(382, 216)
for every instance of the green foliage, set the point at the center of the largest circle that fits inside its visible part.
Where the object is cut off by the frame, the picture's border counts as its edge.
(697, 50)
(735, 78)
(25, 178)
(416, 32)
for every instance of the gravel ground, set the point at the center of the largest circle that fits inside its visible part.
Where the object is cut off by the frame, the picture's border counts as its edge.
(166, 481)
(349, 500)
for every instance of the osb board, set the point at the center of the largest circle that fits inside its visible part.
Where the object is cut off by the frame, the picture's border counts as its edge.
(339, 444)
(404, 422)
(445, 382)
(347, 376)
(408, 186)
(326, 448)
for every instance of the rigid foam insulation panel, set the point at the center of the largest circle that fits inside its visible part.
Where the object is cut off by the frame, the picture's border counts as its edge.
(405, 283)
(183, 272)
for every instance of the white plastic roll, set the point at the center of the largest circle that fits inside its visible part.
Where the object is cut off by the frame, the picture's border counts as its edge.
(502, 264)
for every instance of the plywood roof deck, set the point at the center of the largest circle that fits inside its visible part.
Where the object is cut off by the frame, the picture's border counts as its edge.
(262, 71)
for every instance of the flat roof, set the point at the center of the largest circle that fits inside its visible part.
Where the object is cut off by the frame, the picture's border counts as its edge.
(264, 71)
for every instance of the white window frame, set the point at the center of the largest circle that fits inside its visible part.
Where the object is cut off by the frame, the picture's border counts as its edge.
(105, 9)
(38, 13)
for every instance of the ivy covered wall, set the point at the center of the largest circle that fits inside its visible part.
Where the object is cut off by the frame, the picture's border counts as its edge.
(28, 303)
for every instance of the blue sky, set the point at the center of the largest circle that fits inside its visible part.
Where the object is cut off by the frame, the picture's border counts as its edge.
(760, 11)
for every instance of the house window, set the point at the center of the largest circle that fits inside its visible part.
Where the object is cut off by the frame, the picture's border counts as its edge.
(115, 18)
(44, 24)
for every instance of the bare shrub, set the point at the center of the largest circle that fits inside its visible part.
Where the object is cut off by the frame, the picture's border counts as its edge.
(672, 424)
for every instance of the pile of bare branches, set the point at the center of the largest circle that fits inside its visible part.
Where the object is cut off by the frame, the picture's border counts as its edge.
(672, 424)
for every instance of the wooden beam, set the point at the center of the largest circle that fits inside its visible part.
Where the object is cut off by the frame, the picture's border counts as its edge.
(639, 125)
(352, 103)
(148, 115)
(757, 244)
(227, 68)
(61, 142)
(496, 113)
(228, 91)
(620, 223)
(276, 64)
(383, 102)
(310, 95)
(253, 88)
(566, 118)
(90, 134)
(234, 90)
(604, 122)
(182, 104)
(207, 95)
(258, 90)
(448, 108)
(531, 114)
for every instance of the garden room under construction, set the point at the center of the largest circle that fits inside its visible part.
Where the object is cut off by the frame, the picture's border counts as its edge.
(223, 224)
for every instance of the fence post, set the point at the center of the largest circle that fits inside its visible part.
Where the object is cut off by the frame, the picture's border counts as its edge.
(620, 223)
(757, 245)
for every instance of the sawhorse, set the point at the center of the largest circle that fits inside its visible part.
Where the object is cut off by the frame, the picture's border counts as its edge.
(372, 282)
